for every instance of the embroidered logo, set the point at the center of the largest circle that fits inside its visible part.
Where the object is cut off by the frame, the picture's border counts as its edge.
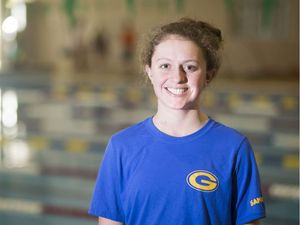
(256, 201)
(202, 180)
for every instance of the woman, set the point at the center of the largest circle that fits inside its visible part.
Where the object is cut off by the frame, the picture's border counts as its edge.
(179, 167)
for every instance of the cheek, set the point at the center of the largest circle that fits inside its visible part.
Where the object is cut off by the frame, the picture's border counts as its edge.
(158, 79)
(197, 81)
(156, 83)
(198, 84)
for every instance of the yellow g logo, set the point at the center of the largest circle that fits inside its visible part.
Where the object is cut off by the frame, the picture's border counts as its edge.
(202, 180)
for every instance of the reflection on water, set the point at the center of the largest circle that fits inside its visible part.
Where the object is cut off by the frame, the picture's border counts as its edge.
(16, 154)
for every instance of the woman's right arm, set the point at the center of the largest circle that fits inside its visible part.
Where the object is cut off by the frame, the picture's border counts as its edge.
(106, 199)
(104, 221)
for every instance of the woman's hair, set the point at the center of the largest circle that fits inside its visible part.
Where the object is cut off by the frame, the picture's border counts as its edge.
(204, 35)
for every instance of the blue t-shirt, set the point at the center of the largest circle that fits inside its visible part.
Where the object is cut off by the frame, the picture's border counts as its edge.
(150, 178)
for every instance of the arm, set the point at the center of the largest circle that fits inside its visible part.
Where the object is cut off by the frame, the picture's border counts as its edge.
(247, 186)
(255, 222)
(106, 202)
(104, 221)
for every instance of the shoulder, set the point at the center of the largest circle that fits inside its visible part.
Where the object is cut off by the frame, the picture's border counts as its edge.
(233, 143)
(132, 134)
(226, 132)
(228, 138)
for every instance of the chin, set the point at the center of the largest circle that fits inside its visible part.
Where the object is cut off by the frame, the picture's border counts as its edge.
(184, 106)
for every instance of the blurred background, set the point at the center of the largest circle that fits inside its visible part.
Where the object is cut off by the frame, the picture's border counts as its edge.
(70, 77)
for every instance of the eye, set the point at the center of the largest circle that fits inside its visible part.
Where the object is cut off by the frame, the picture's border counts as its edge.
(165, 66)
(190, 68)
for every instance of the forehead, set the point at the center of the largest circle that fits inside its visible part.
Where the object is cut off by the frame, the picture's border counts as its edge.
(174, 45)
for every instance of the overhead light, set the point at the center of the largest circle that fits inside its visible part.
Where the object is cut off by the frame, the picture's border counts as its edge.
(10, 25)
(18, 11)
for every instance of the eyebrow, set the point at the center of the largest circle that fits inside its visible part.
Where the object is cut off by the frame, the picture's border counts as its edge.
(163, 59)
(185, 61)
(191, 60)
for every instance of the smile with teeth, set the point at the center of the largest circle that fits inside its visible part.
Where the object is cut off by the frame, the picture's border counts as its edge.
(176, 91)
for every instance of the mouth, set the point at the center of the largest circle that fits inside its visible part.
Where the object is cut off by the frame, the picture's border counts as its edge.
(176, 91)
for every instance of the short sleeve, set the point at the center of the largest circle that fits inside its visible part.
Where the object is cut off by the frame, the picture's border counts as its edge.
(106, 198)
(249, 203)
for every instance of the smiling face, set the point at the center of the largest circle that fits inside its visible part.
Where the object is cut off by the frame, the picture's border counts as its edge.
(177, 73)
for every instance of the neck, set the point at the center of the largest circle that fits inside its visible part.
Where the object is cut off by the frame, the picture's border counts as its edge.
(179, 123)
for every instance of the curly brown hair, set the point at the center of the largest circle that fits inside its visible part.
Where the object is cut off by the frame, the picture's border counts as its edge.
(204, 35)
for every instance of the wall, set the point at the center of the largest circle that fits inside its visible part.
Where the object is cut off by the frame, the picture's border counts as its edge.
(249, 50)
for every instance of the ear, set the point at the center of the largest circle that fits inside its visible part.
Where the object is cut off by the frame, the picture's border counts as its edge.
(148, 71)
(209, 76)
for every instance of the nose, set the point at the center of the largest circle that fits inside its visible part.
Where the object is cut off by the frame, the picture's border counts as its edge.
(179, 75)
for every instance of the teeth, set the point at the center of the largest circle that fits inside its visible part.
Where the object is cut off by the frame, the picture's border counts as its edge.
(177, 91)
